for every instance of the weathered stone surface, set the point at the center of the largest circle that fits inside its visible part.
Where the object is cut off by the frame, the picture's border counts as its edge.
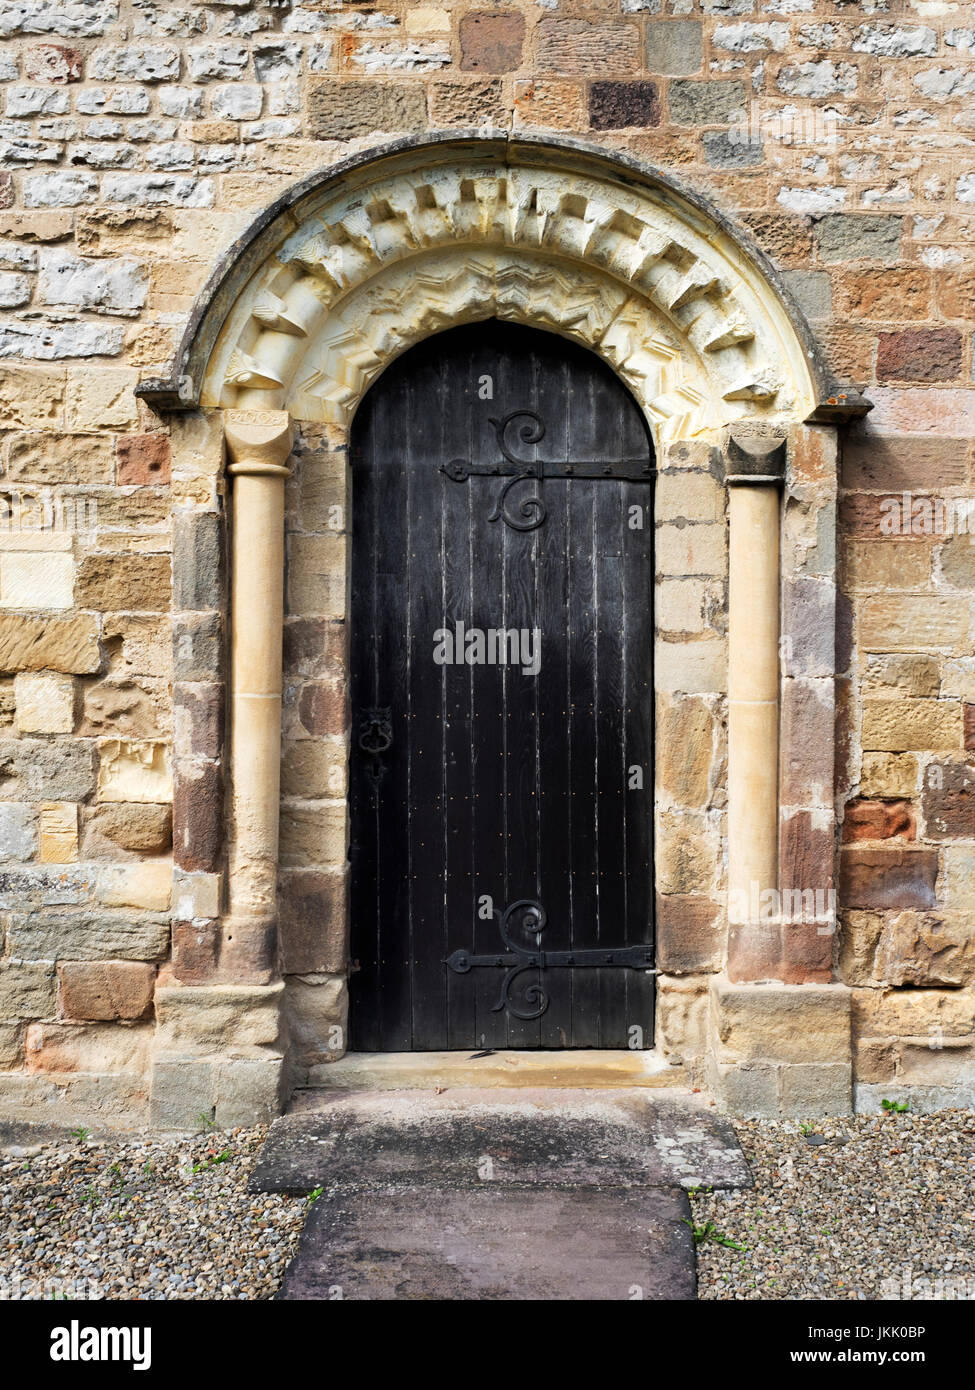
(323, 708)
(888, 878)
(139, 645)
(902, 462)
(58, 840)
(685, 858)
(342, 110)
(313, 834)
(313, 922)
(199, 719)
(927, 949)
(919, 354)
(906, 674)
(781, 1023)
(586, 46)
(948, 801)
(35, 770)
(124, 582)
(130, 771)
(71, 1047)
(84, 936)
(913, 1013)
(131, 707)
(231, 1018)
(706, 103)
(674, 47)
(896, 726)
(197, 646)
(842, 236)
(45, 703)
(685, 747)
(617, 105)
(878, 820)
(316, 1008)
(143, 460)
(313, 769)
(146, 885)
(491, 41)
(198, 561)
(54, 644)
(106, 990)
(198, 797)
(36, 456)
(27, 990)
(18, 831)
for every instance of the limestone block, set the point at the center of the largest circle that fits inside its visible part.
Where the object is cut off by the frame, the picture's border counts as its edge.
(247, 1091)
(690, 668)
(59, 832)
(145, 885)
(36, 580)
(18, 831)
(232, 1018)
(810, 1090)
(691, 550)
(134, 771)
(45, 702)
(180, 1093)
(780, 1023)
(36, 770)
(106, 990)
(923, 1100)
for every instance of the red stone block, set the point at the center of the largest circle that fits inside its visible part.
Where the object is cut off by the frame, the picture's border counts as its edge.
(491, 42)
(142, 460)
(106, 990)
(879, 820)
(888, 878)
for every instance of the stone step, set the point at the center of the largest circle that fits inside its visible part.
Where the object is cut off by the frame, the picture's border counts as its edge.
(411, 1070)
(464, 1138)
(494, 1243)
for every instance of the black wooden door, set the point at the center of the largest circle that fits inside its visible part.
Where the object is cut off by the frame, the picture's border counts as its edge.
(501, 693)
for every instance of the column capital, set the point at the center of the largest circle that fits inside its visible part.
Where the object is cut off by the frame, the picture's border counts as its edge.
(754, 460)
(258, 441)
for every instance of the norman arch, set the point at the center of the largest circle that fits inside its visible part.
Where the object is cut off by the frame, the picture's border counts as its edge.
(332, 284)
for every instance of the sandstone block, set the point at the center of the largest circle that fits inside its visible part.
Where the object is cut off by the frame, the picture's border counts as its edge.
(316, 575)
(27, 990)
(674, 47)
(181, 1091)
(232, 1018)
(682, 1017)
(685, 744)
(313, 922)
(139, 828)
(895, 726)
(340, 110)
(781, 1023)
(889, 774)
(491, 41)
(106, 990)
(316, 1007)
(842, 236)
(71, 1047)
(927, 949)
(199, 719)
(686, 857)
(37, 580)
(587, 46)
(101, 398)
(914, 1013)
(196, 895)
(84, 936)
(40, 457)
(706, 103)
(313, 834)
(35, 770)
(142, 460)
(888, 878)
(146, 885)
(878, 820)
(199, 563)
(313, 769)
(948, 801)
(124, 582)
(59, 832)
(198, 799)
(197, 646)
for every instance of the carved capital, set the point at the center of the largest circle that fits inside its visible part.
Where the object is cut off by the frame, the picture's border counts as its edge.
(258, 441)
(755, 460)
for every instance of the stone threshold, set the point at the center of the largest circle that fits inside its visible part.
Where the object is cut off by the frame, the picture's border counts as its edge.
(420, 1070)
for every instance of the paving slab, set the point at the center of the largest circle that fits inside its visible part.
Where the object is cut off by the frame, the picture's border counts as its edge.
(494, 1244)
(463, 1138)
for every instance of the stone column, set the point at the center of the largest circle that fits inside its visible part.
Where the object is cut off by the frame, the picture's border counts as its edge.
(258, 445)
(756, 469)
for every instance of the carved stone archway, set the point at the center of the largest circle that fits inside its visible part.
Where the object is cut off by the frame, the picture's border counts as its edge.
(332, 284)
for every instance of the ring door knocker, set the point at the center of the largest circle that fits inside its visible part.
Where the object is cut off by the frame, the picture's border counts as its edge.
(375, 740)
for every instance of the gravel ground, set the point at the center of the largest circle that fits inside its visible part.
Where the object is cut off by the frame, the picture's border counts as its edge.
(863, 1208)
(148, 1219)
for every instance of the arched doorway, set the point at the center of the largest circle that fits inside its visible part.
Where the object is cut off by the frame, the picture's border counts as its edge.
(501, 688)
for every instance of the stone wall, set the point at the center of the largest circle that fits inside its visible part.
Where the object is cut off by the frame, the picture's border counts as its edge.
(137, 141)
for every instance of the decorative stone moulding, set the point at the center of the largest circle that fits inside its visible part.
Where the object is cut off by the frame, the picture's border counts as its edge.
(353, 266)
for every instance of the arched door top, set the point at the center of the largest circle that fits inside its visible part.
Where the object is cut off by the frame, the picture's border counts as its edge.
(354, 265)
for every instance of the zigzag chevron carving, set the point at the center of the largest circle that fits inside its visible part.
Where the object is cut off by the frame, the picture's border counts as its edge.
(370, 272)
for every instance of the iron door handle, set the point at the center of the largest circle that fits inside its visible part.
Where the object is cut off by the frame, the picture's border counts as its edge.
(375, 739)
